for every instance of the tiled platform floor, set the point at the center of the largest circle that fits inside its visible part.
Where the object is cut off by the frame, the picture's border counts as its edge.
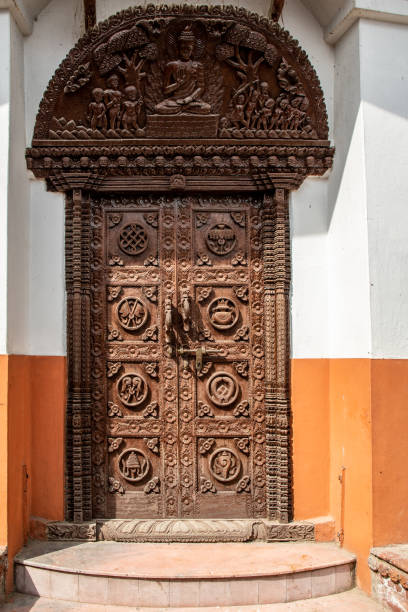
(188, 575)
(183, 561)
(352, 601)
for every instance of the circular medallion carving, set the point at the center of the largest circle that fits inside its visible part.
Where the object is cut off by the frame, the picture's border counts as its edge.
(222, 389)
(223, 313)
(133, 464)
(132, 313)
(221, 239)
(132, 389)
(225, 465)
(133, 239)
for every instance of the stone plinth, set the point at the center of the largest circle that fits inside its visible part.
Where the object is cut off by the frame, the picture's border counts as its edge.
(182, 126)
(183, 575)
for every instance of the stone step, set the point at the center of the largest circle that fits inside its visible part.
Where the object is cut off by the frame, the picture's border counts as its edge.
(350, 601)
(186, 575)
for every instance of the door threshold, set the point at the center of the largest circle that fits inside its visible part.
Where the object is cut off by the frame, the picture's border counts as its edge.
(181, 530)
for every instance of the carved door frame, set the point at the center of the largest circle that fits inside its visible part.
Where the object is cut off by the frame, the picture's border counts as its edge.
(272, 163)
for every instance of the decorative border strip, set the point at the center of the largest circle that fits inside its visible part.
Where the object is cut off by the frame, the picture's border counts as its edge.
(387, 570)
(181, 530)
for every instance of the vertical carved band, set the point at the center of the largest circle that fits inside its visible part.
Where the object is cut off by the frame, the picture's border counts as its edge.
(277, 268)
(78, 432)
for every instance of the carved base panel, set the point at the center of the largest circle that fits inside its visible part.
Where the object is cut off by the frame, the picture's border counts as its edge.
(182, 530)
(176, 126)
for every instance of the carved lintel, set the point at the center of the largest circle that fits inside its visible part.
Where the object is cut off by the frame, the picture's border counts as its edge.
(65, 181)
(130, 63)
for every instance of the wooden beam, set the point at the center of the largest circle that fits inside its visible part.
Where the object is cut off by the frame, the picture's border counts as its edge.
(276, 9)
(90, 14)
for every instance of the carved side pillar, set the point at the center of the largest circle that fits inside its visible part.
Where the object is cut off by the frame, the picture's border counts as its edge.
(78, 432)
(277, 274)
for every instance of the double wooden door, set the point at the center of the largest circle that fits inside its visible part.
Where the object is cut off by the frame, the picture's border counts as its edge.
(178, 425)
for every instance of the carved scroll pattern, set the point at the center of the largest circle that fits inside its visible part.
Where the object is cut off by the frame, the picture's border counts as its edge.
(276, 251)
(78, 457)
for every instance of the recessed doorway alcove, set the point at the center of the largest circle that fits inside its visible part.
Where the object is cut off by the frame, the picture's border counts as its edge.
(176, 135)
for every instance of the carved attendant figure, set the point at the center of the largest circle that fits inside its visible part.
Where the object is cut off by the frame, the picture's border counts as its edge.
(184, 81)
(113, 98)
(132, 107)
(266, 105)
(237, 115)
(97, 110)
(251, 109)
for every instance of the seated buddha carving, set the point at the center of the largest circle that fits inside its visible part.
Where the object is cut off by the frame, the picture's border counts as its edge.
(184, 82)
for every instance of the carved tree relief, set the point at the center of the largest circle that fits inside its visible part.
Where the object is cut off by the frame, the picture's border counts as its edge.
(178, 300)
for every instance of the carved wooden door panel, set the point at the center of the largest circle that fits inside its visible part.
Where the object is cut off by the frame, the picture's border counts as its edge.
(177, 345)
(221, 421)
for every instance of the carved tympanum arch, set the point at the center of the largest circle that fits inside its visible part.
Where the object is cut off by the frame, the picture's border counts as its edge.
(186, 99)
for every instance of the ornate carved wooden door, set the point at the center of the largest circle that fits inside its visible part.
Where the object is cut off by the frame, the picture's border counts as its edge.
(177, 287)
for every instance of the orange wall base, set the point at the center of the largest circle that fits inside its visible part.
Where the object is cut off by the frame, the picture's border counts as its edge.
(32, 404)
(350, 420)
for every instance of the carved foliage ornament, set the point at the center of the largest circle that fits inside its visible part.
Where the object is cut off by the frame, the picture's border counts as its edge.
(183, 72)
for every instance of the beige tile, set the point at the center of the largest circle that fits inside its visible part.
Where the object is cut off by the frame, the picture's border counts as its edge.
(154, 593)
(242, 592)
(123, 591)
(184, 593)
(323, 582)
(37, 581)
(213, 592)
(93, 589)
(272, 590)
(299, 586)
(344, 577)
(64, 586)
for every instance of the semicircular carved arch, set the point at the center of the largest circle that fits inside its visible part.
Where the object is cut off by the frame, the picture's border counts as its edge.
(211, 79)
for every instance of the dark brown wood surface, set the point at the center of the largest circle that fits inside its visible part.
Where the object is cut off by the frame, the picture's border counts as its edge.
(180, 305)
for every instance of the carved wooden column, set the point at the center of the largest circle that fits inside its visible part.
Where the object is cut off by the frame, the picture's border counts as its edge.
(78, 433)
(277, 272)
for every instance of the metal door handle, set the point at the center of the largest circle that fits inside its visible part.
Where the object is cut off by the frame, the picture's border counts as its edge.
(185, 309)
(200, 353)
(184, 352)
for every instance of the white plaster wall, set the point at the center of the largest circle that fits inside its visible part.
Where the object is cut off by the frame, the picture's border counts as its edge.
(18, 213)
(56, 31)
(4, 145)
(303, 26)
(309, 213)
(309, 292)
(384, 89)
(349, 297)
